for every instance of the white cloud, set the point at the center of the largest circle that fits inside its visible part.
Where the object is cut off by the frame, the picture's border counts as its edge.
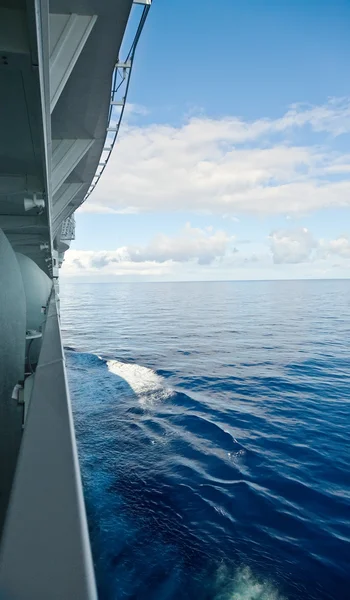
(333, 117)
(339, 247)
(208, 254)
(292, 246)
(191, 244)
(134, 109)
(298, 245)
(202, 247)
(90, 207)
(228, 166)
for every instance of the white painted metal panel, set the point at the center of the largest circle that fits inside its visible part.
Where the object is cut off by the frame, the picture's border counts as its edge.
(12, 353)
(66, 154)
(68, 34)
(13, 31)
(62, 198)
(45, 551)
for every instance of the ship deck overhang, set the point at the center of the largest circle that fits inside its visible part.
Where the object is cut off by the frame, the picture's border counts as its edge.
(56, 67)
(57, 63)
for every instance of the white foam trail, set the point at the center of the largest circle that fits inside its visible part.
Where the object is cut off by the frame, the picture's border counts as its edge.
(146, 384)
(244, 586)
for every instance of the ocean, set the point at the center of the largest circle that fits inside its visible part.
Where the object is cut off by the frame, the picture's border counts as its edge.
(213, 428)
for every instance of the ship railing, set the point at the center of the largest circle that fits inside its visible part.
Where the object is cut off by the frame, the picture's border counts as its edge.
(68, 229)
(119, 92)
(45, 550)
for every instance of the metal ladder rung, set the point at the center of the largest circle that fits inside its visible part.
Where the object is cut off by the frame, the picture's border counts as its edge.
(123, 65)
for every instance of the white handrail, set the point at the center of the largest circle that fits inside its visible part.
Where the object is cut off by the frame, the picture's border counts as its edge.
(45, 551)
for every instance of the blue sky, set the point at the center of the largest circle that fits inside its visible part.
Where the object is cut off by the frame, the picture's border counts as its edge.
(233, 160)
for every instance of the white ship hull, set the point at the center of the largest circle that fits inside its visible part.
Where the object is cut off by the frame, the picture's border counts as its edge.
(58, 124)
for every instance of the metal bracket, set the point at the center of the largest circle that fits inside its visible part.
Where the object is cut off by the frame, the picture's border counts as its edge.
(123, 65)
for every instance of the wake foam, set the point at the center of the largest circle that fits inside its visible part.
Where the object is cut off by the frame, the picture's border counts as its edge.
(147, 385)
(244, 586)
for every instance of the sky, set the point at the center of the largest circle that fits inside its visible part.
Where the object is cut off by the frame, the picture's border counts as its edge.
(233, 159)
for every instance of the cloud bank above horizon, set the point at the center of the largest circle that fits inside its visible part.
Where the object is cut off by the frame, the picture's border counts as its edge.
(227, 168)
(195, 253)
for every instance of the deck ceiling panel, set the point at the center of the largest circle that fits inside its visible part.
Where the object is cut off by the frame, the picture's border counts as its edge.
(90, 7)
(21, 130)
(68, 35)
(82, 109)
(13, 4)
(83, 105)
(19, 146)
(20, 140)
(83, 82)
(65, 157)
(63, 197)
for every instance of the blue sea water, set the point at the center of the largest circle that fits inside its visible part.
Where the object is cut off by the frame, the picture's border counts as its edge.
(213, 426)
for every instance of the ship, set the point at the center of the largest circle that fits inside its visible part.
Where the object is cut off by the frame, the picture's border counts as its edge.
(65, 68)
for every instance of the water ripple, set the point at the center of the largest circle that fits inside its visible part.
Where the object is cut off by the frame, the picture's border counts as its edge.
(214, 436)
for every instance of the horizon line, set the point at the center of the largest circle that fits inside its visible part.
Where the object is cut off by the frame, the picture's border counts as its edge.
(66, 280)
